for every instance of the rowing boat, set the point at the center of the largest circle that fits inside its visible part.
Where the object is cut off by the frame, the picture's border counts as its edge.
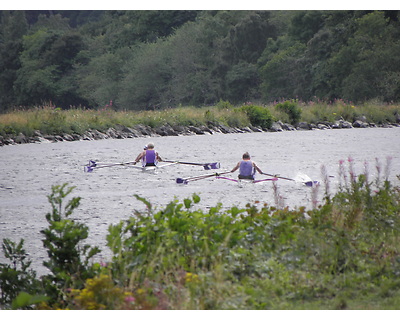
(242, 182)
(94, 165)
(152, 168)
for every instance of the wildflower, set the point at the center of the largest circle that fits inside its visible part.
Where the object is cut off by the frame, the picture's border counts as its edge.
(129, 299)
(190, 277)
(140, 291)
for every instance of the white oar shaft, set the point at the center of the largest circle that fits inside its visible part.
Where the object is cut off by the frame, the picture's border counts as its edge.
(277, 176)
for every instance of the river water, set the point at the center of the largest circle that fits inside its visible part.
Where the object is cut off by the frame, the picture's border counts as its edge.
(28, 171)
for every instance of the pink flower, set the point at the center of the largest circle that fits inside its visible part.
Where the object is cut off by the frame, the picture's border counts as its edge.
(129, 299)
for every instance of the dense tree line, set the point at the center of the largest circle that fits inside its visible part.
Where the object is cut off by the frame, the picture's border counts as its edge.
(155, 59)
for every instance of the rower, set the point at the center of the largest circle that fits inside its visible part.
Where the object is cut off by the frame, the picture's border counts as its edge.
(149, 156)
(247, 168)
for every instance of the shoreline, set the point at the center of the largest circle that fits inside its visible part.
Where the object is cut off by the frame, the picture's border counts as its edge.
(138, 131)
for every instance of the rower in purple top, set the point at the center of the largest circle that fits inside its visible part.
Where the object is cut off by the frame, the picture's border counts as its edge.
(247, 168)
(149, 156)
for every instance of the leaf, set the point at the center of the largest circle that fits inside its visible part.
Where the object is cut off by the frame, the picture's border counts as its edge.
(187, 203)
(24, 299)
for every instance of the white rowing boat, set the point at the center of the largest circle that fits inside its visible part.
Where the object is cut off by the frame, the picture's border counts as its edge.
(242, 182)
(94, 165)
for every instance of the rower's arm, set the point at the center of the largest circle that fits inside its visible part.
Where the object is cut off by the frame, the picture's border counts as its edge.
(236, 167)
(140, 156)
(257, 168)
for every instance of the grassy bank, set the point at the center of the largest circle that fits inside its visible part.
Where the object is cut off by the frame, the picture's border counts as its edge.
(342, 254)
(51, 120)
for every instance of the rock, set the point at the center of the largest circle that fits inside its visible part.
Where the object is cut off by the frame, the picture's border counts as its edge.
(166, 130)
(255, 129)
(58, 138)
(195, 130)
(206, 129)
(336, 125)
(21, 138)
(345, 124)
(287, 126)
(303, 126)
(76, 136)
(361, 118)
(50, 138)
(87, 136)
(322, 126)
(8, 141)
(37, 133)
(113, 133)
(276, 127)
(360, 124)
(68, 137)
(97, 135)
(126, 132)
(144, 130)
(246, 129)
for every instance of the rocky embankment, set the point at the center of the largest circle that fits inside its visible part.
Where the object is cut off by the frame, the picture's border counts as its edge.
(122, 132)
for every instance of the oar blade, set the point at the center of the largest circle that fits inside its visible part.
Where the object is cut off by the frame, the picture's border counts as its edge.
(88, 169)
(213, 165)
(312, 183)
(181, 181)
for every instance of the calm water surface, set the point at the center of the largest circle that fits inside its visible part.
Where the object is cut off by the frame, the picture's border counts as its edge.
(28, 172)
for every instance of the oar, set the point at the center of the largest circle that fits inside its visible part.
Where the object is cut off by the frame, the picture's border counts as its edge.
(92, 164)
(206, 166)
(252, 181)
(306, 183)
(277, 176)
(186, 180)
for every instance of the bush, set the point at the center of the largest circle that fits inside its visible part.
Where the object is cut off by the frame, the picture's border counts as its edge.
(258, 116)
(290, 108)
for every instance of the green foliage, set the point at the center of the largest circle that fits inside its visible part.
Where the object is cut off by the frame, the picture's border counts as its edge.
(153, 59)
(69, 261)
(13, 27)
(258, 116)
(291, 109)
(224, 105)
(16, 276)
(24, 300)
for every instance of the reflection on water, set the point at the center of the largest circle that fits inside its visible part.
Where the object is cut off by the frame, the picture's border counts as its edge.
(29, 171)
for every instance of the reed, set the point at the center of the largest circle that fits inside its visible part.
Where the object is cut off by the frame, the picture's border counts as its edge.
(51, 120)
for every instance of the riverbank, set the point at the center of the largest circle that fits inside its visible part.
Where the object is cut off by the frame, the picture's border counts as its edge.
(137, 131)
(51, 124)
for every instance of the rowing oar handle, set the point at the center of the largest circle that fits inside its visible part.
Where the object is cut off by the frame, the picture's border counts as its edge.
(186, 180)
(276, 176)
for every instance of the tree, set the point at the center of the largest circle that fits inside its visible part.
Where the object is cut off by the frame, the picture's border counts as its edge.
(147, 76)
(369, 67)
(99, 80)
(13, 27)
(47, 61)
